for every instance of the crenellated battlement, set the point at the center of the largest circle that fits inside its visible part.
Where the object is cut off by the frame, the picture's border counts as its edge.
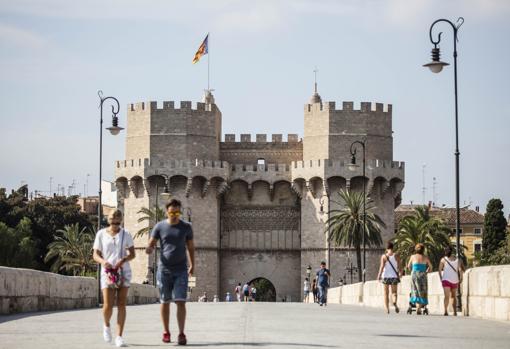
(170, 106)
(146, 163)
(261, 138)
(371, 164)
(365, 107)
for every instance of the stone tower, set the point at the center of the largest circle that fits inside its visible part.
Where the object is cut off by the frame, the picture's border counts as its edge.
(258, 207)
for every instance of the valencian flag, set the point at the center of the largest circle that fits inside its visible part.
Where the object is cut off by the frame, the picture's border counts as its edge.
(202, 50)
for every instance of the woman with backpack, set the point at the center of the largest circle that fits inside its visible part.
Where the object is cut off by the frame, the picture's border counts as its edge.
(389, 274)
(450, 272)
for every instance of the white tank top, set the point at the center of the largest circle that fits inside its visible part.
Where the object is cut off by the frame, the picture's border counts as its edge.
(448, 273)
(388, 271)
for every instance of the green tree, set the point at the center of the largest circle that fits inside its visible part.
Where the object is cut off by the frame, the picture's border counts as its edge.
(47, 215)
(421, 227)
(502, 254)
(152, 216)
(72, 251)
(18, 248)
(346, 225)
(494, 230)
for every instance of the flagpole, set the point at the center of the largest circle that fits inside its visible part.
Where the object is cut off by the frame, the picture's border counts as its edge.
(208, 60)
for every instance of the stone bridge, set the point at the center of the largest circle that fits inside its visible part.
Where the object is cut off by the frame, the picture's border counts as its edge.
(353, 318)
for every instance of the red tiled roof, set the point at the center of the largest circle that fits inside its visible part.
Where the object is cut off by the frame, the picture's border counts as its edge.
(448, 215)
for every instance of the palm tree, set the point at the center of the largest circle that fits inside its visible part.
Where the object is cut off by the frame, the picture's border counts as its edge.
(346, 225)
(153, 216)
(72, 250)
(421, 227)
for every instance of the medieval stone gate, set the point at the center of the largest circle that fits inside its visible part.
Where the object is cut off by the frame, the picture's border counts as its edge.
(261, 240)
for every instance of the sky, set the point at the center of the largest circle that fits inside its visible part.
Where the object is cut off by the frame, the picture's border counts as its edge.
(56, 54)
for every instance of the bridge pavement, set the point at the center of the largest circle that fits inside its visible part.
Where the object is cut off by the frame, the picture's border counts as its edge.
(258, 325)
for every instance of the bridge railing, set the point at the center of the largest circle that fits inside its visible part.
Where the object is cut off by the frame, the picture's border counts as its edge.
(485, 293)
(24, 290)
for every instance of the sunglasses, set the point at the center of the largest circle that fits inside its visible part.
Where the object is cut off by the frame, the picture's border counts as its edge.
(174, 214)
(114, 223)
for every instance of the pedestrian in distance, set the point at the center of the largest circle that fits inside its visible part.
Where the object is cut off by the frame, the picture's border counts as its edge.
(113, 249)
(176, 265)
(228, 297)
(246, 292)
(390, 274)
(315, 291)
(237, 291)
(323, 276)
(253, 293)
(451, 270)
(306, 291)
(203, 298)
(420, 265)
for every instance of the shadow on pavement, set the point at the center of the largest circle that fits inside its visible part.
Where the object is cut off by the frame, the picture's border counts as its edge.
(244, 344)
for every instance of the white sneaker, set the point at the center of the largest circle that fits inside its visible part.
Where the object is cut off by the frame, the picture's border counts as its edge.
(119, 342)
(107, 334)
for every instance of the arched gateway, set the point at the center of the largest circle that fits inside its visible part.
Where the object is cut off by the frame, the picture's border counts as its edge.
(265, 290)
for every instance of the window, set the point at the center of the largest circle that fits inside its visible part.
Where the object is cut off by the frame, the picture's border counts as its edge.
(478, 231)
(454, 231)
(477, 246)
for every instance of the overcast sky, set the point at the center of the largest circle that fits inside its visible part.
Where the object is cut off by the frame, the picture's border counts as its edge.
(56, 54)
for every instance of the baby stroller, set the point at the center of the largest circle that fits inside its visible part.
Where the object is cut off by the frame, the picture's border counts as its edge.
(412, 306)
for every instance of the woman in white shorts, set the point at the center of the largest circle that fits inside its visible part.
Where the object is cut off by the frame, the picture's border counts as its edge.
(113, 249)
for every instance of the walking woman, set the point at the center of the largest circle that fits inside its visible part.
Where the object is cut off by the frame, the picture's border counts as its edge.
(420, 265)
(389, 274)
(450, 272)
(113, 249)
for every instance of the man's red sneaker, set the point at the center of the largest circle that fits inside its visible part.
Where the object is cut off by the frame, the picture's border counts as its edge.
(181, 340)
(166, 337)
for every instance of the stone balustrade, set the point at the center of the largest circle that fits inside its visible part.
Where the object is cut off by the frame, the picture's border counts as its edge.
(24, 290)
(485, 293)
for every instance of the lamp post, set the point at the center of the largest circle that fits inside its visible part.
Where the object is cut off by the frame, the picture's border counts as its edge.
(308, 273)
(353, 166)
(328, 242)
(436, 66)
(114, 130)
(188, 212)
(350, 268)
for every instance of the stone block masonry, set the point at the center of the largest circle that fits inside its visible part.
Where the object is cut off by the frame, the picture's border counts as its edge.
(257, 202)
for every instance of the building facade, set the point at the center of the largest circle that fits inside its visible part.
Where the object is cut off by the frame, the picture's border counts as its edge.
(255, 204)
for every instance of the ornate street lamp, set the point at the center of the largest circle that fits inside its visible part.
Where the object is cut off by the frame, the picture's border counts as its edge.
(353, 166)
(114, 130)
(436, 66)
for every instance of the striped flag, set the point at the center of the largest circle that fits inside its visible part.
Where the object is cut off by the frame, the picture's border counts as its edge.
(202, 50)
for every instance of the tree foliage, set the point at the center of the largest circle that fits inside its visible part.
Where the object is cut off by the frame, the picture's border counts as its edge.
(346, 225)
(421, 227)
(494, 231)
(150, 215)
(72, 251)
(46, 217)
(16, 245)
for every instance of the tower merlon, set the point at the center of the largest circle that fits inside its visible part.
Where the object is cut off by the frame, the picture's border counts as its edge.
(349, 106)
(167, 105)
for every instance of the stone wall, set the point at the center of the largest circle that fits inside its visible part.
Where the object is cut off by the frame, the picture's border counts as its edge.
(25, 290)
(485, 293)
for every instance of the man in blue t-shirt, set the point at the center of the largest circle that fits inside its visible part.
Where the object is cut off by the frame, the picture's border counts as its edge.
(175, 237)
(323, 276)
